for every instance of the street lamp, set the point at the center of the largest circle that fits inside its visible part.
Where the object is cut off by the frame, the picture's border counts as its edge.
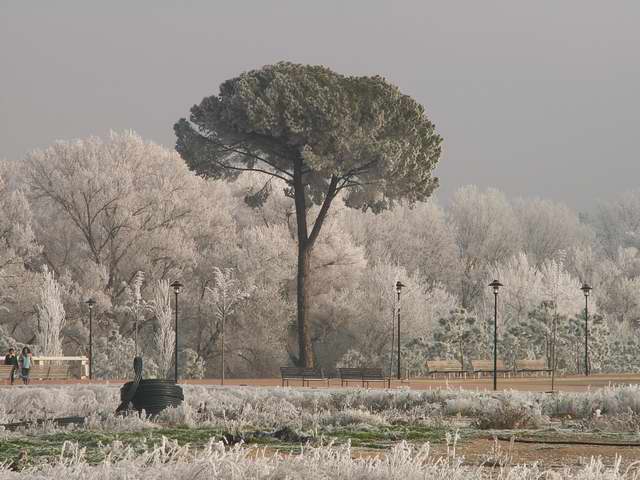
(177, 287)
(496, 286)
(586, 289)
(90, 303)
(399, 286)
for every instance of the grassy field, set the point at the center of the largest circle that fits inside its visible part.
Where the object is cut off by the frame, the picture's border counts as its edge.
(485, 433)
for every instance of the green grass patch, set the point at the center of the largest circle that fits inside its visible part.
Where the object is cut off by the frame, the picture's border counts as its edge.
(384, 437)
(44, 447)
(40, 448)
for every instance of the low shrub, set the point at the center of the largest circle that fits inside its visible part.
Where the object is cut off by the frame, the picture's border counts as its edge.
(507, 413)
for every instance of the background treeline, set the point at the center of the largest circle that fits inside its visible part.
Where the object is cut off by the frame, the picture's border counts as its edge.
(118, 219)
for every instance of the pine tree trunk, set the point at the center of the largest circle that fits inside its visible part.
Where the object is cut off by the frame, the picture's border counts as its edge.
(305, 355)
(306, 242)
(305, 350)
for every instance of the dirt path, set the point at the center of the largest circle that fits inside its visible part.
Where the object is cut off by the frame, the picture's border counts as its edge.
(532, 384)
(478, 451)
(490, 453)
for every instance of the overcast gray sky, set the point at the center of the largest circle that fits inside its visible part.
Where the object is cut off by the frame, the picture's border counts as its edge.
(537, 98)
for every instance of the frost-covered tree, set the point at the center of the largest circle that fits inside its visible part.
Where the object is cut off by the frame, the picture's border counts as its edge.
(191, 365)
(227, 293)
(571, 334)
(123, 203)
(486, 233)
(320, 134)
(148, 212)
(548, 229)
(457, 336)
(371, 321)
(113, 358)
(19, 254)
(165, 335)
(18, 244)
(50, 316)
(419, 239)
(522, 290)
(561, 290)
(617, 223)
(618, 286)
(136, 306)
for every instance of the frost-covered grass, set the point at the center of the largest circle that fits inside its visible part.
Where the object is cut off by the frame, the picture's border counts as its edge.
(248, 407)
(168, 460)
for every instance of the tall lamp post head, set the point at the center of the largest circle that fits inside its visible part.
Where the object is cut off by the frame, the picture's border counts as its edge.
(495, 285)
(586, 289)
(399, 286)
(177, 287)
(90, 303)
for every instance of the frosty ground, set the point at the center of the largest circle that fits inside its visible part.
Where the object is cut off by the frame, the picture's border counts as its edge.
(249, 432)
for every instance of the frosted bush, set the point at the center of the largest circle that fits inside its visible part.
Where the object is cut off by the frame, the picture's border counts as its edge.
(36, 402)
(609, 400)
(270, 408)
(132, 422)
(508, 412)
(628, 421)
(354, 417)
(461, 405)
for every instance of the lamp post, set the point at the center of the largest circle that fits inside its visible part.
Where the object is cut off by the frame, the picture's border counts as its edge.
(586, 289)
(90, 303)
(496, 286)
(177, 287)
(224, 320)
(399, 286)
(553, 346)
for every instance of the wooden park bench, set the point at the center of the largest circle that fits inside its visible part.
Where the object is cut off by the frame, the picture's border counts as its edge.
(77, 367)
(307, 375)
(531, 366)
(52, 368)
(50, 372)
(5, 370)
(446, 367)
(480, 367)
(40, 372)
(364, 375)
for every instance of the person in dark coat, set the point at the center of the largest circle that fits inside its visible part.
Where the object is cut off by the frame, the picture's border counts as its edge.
(12, 359)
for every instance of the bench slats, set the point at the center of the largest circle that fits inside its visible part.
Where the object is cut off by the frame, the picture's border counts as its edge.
(42, 372)
(307, 375)
(444, 366)
(364, 375)
(533, 366)
(487, 365)
(49, 372)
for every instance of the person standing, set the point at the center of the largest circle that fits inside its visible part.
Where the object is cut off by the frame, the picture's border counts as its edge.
(11, 359)
(25, 364)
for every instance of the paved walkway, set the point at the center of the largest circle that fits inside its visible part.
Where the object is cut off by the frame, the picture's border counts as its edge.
(533, 384)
